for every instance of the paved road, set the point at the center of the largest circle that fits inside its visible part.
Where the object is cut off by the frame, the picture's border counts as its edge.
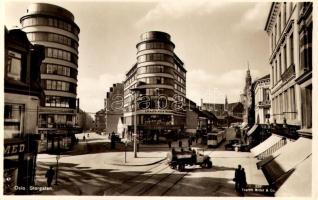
(90, 175)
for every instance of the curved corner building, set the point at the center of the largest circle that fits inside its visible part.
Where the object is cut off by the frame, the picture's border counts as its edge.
(54, 27)
(160, 76)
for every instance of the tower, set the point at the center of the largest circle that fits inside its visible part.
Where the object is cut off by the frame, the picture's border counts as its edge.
(54, 28)
(226, 105)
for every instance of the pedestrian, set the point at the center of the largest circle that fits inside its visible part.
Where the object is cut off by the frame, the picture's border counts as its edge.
(243, 180)
(189, 142)
(180, 143)
(169, 144)
(84, 138)
(49, 176)
(237, 178)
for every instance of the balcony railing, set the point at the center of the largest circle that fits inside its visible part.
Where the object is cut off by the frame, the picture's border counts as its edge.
(289, 73)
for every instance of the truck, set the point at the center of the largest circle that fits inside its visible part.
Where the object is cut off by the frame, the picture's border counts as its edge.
(178, 158)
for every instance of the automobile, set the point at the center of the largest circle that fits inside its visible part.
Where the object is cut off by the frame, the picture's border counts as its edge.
(178, 158)
(230, 144)
(241, 147)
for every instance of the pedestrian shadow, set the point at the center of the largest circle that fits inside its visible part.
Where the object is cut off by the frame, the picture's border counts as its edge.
(216, 168)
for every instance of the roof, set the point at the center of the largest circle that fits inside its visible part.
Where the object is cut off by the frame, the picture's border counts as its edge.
(209, 115)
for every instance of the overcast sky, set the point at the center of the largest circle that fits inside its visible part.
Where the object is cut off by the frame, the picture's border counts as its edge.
(215, 40)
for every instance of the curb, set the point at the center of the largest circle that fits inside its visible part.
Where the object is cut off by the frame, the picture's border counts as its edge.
(147, 164)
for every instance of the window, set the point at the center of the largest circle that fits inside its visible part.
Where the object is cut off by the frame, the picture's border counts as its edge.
(307, 110)
(279, 66)
(55, 53)
(293, 103)
(284, 12)
(275, 34)
(13, 119)
(275, 72)
(14, 65)
(48, 84)
(53, 85)
(291, 44)
(285, 58)
(279, 24)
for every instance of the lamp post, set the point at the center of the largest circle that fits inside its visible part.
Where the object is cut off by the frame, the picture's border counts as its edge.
(135, 92)
(57, 167)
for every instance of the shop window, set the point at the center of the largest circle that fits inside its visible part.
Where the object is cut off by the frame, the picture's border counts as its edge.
(13, 119)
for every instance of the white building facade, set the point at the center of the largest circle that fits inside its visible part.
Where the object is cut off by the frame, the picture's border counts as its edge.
(262, 100)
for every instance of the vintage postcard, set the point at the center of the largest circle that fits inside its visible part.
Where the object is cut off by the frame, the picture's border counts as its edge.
(158, 98)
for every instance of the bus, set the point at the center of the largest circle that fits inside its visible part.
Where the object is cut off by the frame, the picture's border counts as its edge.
(214, 139)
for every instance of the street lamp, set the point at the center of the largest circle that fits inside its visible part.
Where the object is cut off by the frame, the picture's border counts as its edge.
(135, 90)
(57, 167)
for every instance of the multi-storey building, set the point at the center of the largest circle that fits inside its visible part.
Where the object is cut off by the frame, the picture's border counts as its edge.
(22, 97)
(159, 76)
(261, 88)
(289, 27)
(54, 27)
(100, 121)
(114, 103)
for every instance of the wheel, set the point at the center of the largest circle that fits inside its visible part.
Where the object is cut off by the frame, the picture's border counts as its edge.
(180, 167)
(209, 164)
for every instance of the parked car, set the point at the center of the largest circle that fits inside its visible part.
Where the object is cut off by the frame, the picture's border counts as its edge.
(230, 144)
(241, 147)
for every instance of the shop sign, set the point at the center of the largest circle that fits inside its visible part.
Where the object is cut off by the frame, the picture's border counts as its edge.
(13, 149)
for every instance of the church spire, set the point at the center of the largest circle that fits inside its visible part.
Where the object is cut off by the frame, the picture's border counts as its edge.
(226, 104)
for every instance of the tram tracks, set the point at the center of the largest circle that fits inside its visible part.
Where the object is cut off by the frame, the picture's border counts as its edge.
(156, 181)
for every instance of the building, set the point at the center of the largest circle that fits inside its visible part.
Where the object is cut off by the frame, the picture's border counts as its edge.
(304, 72)
(289, 27)
(261, 105)
(22, 97)
(192, 117)
(261, 90)
(100, 121)
(114, 103)
(247, 99)
(288, 169)
(54, 27)
(158, 79)
(226, 113)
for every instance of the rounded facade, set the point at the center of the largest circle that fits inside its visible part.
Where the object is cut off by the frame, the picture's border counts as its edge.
(155, 63)
(53, 27)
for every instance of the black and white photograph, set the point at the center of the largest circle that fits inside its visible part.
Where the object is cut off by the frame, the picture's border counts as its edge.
(158, 98)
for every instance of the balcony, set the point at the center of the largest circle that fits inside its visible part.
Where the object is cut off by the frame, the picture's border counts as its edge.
(265, 103)
(289, 73)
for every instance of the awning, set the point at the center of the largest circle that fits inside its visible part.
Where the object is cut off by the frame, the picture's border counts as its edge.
(299, 182)
(274, 154)
(252, 130)
(290, 156)
(268, 143)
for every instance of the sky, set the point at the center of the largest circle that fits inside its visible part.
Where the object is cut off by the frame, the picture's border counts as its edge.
(216, 40)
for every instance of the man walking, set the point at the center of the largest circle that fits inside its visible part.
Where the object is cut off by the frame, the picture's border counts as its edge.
(237, 178)
(243, 178)
(169, 144)
(180, 143)
(49, 175)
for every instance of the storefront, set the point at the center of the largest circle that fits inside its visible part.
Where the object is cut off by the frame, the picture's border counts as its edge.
(19, 165)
